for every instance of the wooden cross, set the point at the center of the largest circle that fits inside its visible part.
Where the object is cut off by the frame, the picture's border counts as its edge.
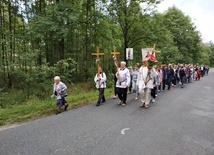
(114, 53)
(153, 49)
(98, 54)
(115, 61)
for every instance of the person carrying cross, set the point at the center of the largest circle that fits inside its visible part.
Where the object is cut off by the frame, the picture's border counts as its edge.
(123, 82)
(100, 80)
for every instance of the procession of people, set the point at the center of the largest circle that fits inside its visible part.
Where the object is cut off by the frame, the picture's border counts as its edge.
(149, 79)
(145, 81)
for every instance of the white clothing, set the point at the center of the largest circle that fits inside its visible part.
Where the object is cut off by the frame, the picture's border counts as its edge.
(102, 80)
(124, 78)
(59, 87)
(144, 77)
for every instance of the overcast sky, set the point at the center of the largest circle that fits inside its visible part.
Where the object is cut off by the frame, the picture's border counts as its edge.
(201, 12)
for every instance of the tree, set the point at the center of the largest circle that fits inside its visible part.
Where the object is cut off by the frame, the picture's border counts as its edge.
(211, 58)
(158, 33)
(128, 15)
(184, 33)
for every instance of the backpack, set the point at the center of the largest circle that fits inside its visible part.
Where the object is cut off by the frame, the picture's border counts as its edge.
(182, 72)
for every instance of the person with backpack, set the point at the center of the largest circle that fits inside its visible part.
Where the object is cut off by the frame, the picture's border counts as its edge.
(182, 75)
(100, 80)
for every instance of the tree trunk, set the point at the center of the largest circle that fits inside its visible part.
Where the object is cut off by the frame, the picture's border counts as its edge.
(10, 64)
(2, 54)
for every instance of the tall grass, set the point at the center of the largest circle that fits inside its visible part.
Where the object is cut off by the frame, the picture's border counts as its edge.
(34, 108)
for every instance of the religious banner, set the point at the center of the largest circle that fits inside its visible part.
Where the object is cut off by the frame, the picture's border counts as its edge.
(129, 53)
(149, 54)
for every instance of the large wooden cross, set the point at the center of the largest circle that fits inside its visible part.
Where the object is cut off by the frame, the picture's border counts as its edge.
(153, 49)
(98, 54)
(114, 53)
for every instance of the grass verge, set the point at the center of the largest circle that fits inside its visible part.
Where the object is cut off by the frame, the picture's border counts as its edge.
(35, 108)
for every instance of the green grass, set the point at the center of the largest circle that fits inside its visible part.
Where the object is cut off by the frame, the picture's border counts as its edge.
(35, 108)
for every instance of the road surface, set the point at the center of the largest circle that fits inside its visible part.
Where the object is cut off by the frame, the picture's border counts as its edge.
(181, 122)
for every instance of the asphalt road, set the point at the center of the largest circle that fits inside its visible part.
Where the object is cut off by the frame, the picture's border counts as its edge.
(181, 122)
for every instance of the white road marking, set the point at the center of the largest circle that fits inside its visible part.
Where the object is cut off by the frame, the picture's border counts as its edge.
(123, 131)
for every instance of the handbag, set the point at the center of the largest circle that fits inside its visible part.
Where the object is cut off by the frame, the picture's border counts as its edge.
(64, 95)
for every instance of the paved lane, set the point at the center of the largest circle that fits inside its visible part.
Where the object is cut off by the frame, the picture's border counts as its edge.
(181, 122)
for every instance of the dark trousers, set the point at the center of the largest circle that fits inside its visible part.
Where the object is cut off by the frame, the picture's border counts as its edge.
(101, 95)
(122, 94)
(169, 81)
(202, 73)
(182, 79)
(174, 80)
(115, 88)
(130, 86)
(164, 84)
(153, 92)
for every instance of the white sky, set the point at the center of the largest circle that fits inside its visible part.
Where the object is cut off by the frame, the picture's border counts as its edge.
(201, 12)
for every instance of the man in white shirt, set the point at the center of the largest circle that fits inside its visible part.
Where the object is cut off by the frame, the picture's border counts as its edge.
(100, 81)
(145, 83)
(123, 82)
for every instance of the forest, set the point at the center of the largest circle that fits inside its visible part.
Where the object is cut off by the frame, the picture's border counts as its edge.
(43, 38)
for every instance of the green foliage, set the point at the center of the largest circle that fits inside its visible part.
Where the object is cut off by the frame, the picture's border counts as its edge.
(1, 97)
(184, 33)
(65, 69)
(211, 58)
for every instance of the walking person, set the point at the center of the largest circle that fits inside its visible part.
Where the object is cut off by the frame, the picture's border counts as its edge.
(170, 75)
(188, 73)
(145, 82)
(130, 85)
(135, 88)
(208, 70)
(123, 82)
(59, 91)
(156, 84)
(191, 73)
(115, 83)
(174, 80)
(100, 81)
(182, 75)
(164, 80)
(202, 70)
(160, 72)
(157, 80)
(198, 73)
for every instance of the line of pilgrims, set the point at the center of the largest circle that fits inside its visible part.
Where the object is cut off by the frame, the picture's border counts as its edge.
(147, 80)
